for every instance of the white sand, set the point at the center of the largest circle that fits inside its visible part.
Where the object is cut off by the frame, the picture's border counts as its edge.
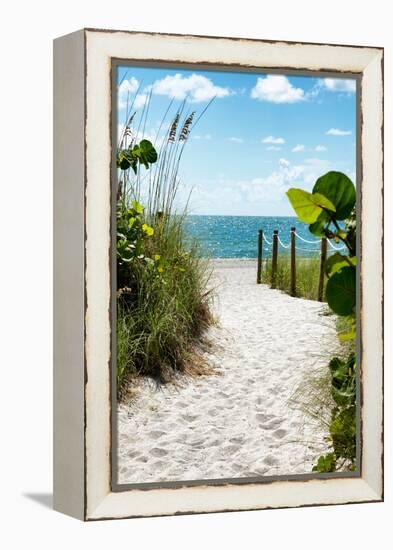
(238, 424)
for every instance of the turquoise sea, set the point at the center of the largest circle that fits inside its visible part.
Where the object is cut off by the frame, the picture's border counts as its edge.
(237, 236)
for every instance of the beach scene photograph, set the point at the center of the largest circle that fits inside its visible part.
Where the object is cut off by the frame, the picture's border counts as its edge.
(235, 330)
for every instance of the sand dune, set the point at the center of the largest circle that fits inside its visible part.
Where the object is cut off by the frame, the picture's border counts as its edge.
(238, 424)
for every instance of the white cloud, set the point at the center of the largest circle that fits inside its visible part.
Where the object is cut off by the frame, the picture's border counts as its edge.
(236, 140)
(139, 101)
(320, 148)
(273, 148)
(130, 86)
(338, 84)
(313, 168)
(205, 136)
(298, 148)
(196, 88)
(254, 196)
(262, 196)
(338, 132)
(277, 89)
(126, 90)
(273, 140)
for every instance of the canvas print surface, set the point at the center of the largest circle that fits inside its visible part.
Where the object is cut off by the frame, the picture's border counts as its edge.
(235, 288)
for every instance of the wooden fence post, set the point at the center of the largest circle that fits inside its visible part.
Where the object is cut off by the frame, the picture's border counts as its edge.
(293, 262)
(259, 272)
(274, 258)
(322, 268)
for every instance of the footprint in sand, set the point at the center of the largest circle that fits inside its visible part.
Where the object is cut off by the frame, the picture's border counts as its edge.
(189, 418)
(197, 443)
(280, 433)
(214, 443)
(231, 449)
(156, 434)
(157, 451)
(274, 424)
(133, 454)
(270, 460)
(261, 417)
(223, 394)
(237, 440)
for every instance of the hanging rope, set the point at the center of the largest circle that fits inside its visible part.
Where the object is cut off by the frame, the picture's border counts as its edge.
(287, 246)
(336, 247)
(306, 241)
(318, 241)
(281, 243)
(266, 241)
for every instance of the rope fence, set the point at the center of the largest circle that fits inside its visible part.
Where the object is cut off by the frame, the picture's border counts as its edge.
(293, 247)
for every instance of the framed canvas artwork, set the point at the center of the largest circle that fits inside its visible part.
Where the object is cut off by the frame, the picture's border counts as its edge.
(218, 255)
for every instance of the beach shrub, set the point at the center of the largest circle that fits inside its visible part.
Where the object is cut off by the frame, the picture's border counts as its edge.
(132, 234)
(163, 316)
(163, 301)
(332, 201)
(342, 428)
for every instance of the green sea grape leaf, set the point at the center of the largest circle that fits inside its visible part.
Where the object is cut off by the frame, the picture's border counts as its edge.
(147, 151)
(341, 291)
(123, 160)
(323, 201)
(308, 206)
(317, 228)
(138, 207)
(334, 263)
(340, 190)
(305, 208)
(144, 153)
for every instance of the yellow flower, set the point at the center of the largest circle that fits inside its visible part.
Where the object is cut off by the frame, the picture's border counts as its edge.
(147, 229)
(157, 257)
(160, 269)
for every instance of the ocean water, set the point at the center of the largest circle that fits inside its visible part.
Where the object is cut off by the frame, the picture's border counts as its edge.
(237, 236)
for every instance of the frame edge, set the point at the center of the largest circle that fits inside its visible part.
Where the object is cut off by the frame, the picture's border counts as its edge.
(68, 288)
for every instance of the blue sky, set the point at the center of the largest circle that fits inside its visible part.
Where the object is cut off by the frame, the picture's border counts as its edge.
(261, 135)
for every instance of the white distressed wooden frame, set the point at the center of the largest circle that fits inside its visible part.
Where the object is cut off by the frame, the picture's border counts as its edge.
(82, 207)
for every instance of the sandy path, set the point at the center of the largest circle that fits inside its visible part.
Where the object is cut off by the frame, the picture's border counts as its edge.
(238, 424)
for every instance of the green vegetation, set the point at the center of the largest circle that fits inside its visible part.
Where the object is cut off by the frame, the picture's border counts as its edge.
(307, 276)
(162, 284)
(333, 200)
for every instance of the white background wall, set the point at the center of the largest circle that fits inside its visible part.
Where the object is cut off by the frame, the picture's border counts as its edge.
(27, 29)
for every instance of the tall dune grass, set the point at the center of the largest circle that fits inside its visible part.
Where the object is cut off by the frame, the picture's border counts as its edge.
(307, 276)
(164, 307)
